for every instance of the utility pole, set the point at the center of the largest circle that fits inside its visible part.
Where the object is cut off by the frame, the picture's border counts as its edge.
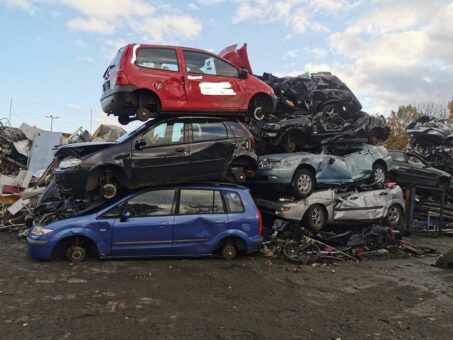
(10, 109)
(91, 120)
(52, 117)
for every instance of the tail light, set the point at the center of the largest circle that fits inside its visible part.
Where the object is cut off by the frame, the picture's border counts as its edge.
(121, 78)
(260, 222)
(249, 134)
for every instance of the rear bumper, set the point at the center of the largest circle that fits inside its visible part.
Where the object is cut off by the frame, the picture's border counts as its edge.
(254, 244)
(118, 100)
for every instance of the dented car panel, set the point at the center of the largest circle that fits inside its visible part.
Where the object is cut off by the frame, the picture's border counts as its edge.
(164, 150)
(341, 207)
(327, 167)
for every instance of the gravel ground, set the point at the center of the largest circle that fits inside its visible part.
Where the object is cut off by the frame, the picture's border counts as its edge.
(248, 298)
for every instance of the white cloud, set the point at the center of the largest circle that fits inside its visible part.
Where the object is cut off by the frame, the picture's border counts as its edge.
(193, 7)
(86, 59)
(316, 52)
(79, 43)
(26, 5)
(75, 107)
(292, 53)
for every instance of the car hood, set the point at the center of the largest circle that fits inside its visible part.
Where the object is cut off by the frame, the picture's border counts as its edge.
(281, 156)
(438, 172)
(237, 57)
(80, 149)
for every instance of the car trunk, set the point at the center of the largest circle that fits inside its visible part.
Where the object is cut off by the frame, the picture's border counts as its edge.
(237, 57)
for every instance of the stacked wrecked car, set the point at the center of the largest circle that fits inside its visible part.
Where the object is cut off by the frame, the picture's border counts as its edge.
(309, 154)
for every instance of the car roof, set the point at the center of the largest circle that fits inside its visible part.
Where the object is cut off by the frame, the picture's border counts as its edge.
(175, 47)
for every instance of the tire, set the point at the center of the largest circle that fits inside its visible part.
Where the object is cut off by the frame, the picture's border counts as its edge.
(316, 217)
(378, 174)
(331, 109)
(229, 252)
(300, 253)
(303, 183)
(76, 254)
(143, 114)
(124, 120)
(258, 108)
(394, 215)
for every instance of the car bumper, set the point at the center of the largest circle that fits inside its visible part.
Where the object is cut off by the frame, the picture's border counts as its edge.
(275, 176)
(38, 248)
(254, 244)
(118, 100)
(73, 180)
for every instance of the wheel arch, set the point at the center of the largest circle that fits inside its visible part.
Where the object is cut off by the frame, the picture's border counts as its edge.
(61, 246)
(263, 95)
(306, 167)
(150, 97)
(323, 206)
(236, 240)
(244, 160)
(381, 162)
(119, 173)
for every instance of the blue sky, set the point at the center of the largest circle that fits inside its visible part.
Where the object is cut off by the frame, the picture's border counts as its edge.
(55, 51)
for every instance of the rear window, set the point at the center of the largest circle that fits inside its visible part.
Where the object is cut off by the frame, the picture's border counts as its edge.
(157, 58)
(208, 130)
(194, 202)
(117, 58)
(233, 202)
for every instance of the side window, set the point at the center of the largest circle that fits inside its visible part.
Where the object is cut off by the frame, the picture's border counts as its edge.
(114, 212)
(202, 63)
(194, 201)
(398, 156)
(233, 202)
(415, 160)
(208, 130)
(165, 134)
(157, 58)
(152, 203)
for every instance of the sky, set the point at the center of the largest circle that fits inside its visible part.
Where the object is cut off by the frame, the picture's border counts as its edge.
(54, 52)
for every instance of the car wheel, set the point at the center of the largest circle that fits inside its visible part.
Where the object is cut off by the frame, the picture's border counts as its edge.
(143, 114)
(303, 183)
(316, 217)
(76, 254)
(393, 215)
(300, 253)
(124, 120)
(229, 252)
(258, 108)
(378, 174)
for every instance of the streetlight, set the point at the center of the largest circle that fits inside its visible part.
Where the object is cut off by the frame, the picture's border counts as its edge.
(52, 117)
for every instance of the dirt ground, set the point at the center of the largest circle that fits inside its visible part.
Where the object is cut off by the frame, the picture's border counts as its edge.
(214, 299)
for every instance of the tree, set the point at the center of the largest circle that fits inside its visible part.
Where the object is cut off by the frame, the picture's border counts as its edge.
(397, 122)
(432, 108)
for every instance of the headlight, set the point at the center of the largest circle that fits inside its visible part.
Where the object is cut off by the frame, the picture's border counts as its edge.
(69, 163)
(40, 231)
(286, 163)
(267, 164)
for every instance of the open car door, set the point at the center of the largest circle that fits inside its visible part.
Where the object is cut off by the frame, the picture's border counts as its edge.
(237, 57)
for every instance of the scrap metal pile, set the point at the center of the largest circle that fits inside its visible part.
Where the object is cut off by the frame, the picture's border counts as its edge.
(27, 164)
(432, 138)
(311, 110)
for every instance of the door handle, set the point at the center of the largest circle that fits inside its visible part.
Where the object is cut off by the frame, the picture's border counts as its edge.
(383, 194)
(180, 149)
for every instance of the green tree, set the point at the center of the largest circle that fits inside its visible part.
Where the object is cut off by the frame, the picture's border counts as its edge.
(397, 121)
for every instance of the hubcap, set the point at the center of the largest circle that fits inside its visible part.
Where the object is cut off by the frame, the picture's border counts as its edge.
(304, 183)
(379, 175)
(393, 215)
(258, 114)
(77, 255)
(317, 217)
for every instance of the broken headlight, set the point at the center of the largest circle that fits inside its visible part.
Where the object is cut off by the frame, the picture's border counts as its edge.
(38, 231)
(69, 163)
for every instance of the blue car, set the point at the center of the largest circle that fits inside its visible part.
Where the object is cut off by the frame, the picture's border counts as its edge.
(185, 220)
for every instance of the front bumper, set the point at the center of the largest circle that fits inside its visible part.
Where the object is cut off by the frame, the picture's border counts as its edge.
(73, 180)
(119, 100)
(38, 247)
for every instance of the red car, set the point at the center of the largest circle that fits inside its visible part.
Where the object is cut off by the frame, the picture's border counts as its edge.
(144, 80)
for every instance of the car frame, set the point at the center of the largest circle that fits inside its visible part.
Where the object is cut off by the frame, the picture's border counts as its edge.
(335, 206)
(156, 222)
(305, 171)
(149, 155)
(145, 80)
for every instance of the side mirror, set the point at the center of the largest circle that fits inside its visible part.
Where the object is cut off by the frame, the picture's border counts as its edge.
(243, 73)
(331, 160)
(125, 215)
(139, 144)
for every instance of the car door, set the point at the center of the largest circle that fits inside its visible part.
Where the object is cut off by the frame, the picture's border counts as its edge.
(201, 215)
(146, 225)
(159, 71)
(161, 154)
(211, 147)
(213, 84)
(360, 206)
(419, 172)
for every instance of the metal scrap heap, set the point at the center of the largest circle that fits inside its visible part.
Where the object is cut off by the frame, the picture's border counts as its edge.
(432, 138)
(311, 110)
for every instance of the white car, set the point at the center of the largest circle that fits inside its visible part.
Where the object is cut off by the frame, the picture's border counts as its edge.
(333, 206)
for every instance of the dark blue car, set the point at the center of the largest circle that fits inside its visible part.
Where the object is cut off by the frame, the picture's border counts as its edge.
(186, 220)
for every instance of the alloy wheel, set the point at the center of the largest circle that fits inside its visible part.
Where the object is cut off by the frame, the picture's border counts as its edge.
(379, 175)
(304, 183)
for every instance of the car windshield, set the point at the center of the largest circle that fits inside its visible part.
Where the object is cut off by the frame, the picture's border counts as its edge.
(133, 132)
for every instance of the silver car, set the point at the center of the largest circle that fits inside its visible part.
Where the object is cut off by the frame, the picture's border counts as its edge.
(332, 206)
(333, 165)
